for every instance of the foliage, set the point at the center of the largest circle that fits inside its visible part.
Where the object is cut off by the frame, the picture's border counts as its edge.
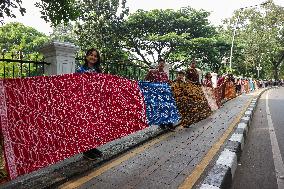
(7, 6)
(260, 33)
(17, 37)
(57, 12)
(150, 35)
(64, 33)
(19, 42)
(208, 52)
(100, 27)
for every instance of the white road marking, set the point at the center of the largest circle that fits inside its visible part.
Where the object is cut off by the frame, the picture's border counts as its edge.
(278, 162)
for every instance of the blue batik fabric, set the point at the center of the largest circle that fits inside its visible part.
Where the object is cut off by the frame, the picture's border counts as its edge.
(160, 104)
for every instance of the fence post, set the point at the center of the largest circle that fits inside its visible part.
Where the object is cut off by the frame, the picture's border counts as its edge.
(61, 56)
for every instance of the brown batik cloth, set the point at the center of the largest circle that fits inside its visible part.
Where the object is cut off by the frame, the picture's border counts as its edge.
(230, 90)
(191, 102)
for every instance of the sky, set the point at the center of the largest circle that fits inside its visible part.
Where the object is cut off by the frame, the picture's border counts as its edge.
(219, 9)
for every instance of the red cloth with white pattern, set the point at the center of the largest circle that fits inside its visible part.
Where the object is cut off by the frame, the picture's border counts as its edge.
(47, 119)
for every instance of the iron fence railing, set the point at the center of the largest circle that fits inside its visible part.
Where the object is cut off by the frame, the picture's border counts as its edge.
(121, 68)
(13, 67)
(18, 67)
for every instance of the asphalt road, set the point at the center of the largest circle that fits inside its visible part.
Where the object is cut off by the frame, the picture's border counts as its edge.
(261, 165)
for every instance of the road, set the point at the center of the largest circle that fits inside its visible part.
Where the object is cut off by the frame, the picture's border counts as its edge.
(261, 164)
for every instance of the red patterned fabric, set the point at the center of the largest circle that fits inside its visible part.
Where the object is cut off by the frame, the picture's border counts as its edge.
(47, 119)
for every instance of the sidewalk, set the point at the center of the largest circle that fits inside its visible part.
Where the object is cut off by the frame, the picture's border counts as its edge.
(164, 162)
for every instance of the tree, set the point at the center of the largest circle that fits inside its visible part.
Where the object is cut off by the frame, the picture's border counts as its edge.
(64, 33)
(59, 11)
(260, 32)
(5, 8)
(100, 27)
(18, 41)
(150, 35)
(208, 52)
(15, 36)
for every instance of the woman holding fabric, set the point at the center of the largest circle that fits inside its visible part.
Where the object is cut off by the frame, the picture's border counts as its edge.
(209, 92)
(192, 73)
(159, 75)
(193, 97)
(230, 89)
(91, 65)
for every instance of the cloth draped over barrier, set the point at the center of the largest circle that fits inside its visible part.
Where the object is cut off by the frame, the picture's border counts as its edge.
(160, 105)
(191, 102)
(211, 98)
(47, 119)
(230, 90)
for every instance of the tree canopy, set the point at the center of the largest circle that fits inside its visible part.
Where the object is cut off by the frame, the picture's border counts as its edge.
(59, 11)
(176, 35)
(17, 37)
(260, 33)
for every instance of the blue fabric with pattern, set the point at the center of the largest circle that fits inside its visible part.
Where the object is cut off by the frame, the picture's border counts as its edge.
(160, 104)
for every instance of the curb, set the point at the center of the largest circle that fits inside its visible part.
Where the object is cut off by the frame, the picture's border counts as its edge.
(221, 175)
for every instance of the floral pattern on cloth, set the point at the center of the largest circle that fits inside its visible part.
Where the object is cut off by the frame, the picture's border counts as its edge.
(47, 119)
(157, 76)
(191, 102)
(160, 104)
(219, 94)
(210, 96)
(230, 90)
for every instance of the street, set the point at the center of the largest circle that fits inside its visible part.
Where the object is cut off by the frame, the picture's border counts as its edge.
(261, 164)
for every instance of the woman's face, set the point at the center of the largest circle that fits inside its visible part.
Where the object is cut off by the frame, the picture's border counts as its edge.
(92, 58)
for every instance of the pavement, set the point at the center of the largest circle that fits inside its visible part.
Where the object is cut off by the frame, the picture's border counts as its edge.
(155, 158)
(221, 173)
(261, 164)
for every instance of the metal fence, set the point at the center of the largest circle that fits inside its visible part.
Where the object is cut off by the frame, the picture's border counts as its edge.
(14, 65)
(120, 68)
(125, 69)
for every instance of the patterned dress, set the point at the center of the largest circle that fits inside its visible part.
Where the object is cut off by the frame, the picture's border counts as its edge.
(230, 89)
(191, 102)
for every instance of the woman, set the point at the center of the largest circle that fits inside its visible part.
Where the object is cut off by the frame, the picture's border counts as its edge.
(92, 64)
(159, 75)
(209, 92)
(230, 89)
(192, 98)
(192, 73)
